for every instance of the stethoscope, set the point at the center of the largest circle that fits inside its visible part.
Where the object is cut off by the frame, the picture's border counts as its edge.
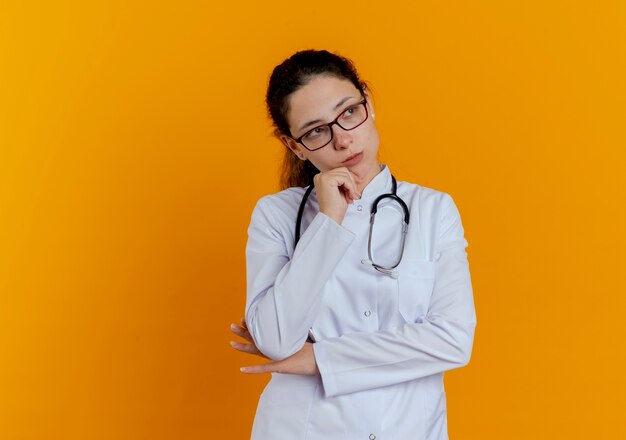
(389, 270)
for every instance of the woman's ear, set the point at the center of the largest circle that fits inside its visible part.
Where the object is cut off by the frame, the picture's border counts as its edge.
(292, 145)
(369, 103)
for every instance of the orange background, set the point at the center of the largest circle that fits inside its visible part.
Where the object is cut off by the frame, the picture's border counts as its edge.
(134, 144)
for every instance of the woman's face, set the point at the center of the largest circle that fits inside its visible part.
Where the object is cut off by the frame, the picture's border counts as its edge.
(319, 102)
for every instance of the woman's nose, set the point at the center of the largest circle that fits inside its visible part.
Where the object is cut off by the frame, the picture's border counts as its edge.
(342, 139)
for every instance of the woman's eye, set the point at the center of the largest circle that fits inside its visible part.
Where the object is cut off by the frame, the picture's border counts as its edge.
(350, 111)
(314, 133)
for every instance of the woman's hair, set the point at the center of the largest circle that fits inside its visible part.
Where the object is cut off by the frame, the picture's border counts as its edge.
(292, 74)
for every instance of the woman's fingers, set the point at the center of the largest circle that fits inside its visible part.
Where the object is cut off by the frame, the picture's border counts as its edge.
(270, 367)
(241, 331)
(247, 348)
(353, 186)
(340, 177)
(302, 362)
(336, 189)
(346, 181)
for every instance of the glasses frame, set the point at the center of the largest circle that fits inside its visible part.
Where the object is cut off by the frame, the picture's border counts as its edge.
(330, 125)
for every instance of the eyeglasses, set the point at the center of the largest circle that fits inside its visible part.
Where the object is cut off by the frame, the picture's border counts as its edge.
(321, 135)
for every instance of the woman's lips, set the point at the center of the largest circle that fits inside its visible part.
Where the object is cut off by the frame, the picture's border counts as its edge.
(353, 160)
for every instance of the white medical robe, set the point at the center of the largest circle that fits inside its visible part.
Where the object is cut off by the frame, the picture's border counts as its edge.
(382, 342)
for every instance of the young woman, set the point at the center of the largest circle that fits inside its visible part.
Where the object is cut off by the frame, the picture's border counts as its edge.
(358, 286)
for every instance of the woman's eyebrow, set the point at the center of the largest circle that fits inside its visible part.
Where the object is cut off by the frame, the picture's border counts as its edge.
(336, 107)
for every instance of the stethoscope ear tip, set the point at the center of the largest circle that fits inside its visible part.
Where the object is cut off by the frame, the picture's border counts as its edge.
(367, 262)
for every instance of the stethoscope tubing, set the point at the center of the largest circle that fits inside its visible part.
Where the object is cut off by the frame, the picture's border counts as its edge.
(389, 270)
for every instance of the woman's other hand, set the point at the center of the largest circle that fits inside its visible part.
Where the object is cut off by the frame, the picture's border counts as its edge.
(242, 330)
(302, 363)
(335, 189)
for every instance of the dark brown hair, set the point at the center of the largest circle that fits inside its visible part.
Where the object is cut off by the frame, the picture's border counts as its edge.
(292, 74)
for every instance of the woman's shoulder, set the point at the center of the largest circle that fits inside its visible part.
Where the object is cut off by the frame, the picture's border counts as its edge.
(423, 193)
(289, 196)
(283, 203)
(430, 205)
(436, 211)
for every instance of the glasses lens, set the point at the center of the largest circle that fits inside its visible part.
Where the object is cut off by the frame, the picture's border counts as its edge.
(352, 117)
(316, 138)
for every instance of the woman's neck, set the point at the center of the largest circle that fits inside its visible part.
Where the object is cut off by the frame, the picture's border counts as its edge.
(361, 184)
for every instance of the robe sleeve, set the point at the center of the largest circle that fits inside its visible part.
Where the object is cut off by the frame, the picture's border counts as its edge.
(284, 295)
(440, 340)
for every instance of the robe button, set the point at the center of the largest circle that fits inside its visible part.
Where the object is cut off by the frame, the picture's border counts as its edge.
(368, 313)
(359, 208)
(372, 437)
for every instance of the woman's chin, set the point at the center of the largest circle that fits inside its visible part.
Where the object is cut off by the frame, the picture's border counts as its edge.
(364, 171)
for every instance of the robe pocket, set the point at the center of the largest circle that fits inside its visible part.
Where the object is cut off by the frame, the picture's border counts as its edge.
(416, 279)
(290, 389)
(283, 409)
